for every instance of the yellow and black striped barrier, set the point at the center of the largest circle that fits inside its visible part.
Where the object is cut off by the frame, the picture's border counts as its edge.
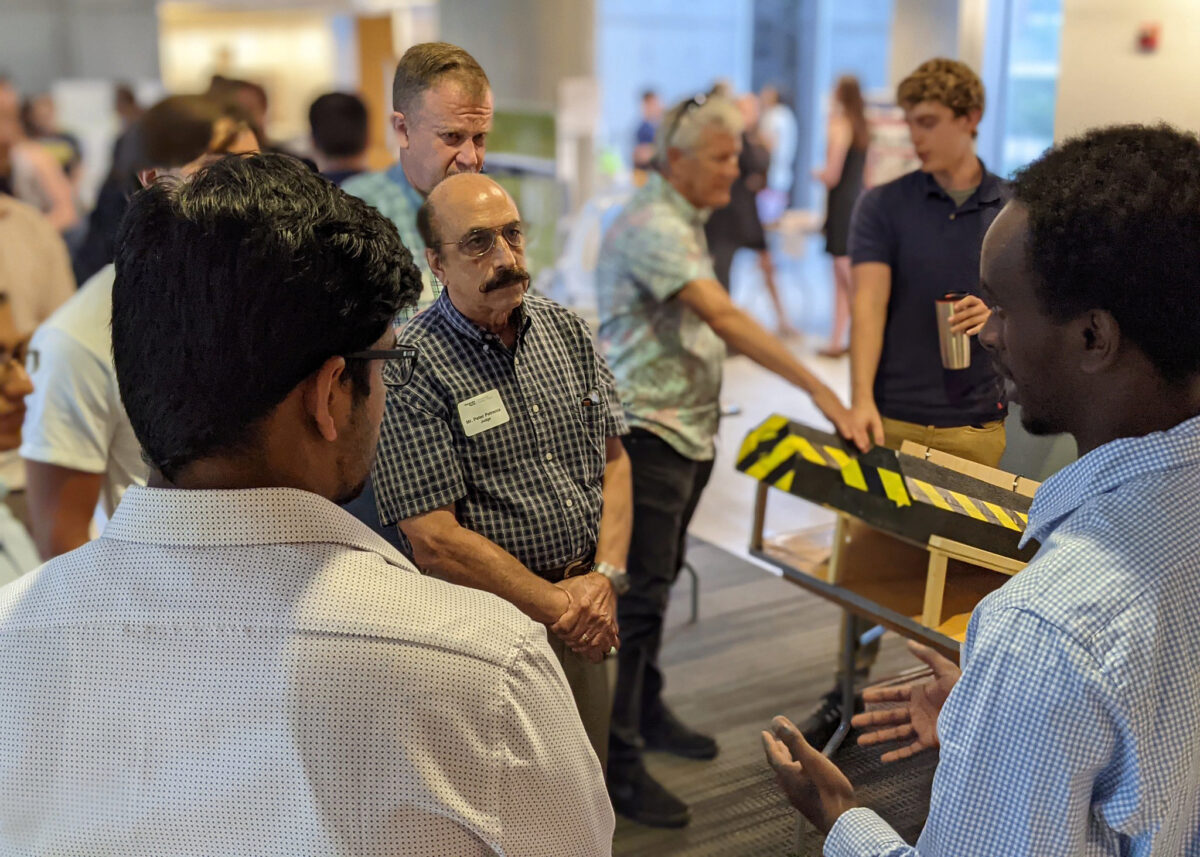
(801, 460)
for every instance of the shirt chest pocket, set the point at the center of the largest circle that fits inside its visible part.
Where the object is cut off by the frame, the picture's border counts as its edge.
(574, 432)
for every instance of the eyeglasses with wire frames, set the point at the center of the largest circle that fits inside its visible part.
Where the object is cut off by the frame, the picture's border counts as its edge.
(398, 363)
(479, 242)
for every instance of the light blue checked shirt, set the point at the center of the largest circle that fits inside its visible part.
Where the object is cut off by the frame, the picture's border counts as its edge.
(398, 201)
(1075, 729)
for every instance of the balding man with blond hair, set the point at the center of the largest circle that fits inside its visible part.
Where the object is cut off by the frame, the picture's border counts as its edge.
(500, 460)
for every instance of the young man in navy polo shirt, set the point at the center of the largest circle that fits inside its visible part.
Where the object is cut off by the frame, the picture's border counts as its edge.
(913, 240)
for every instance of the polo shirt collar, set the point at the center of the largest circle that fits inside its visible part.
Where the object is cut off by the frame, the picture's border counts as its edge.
(446, 309)
(175, 517)
(989, 190)
(663, 189)
(396, 173)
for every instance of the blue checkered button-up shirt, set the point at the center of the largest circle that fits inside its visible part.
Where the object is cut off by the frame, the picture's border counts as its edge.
(398, 201)
(1075, 729)
(533, 484)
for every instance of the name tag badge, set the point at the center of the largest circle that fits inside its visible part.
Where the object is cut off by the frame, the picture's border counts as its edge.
(482, 412)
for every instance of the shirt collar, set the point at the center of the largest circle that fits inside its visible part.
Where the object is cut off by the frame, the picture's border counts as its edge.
(1108, 467)
(664, 190)
(989, 190)
(174, 517)
(445, 308)
(396, 173)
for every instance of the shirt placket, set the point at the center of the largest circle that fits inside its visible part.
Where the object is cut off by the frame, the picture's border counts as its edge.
(534, 397)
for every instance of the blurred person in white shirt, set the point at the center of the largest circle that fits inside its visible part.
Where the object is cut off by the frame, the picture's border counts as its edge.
(79, 449)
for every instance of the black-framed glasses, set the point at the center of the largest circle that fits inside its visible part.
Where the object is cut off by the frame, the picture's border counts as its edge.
(398, 363)
(688, 106)
(479, 242)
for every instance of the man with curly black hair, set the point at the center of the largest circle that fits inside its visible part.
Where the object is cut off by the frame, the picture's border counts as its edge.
(237, 665)
(1072, 728)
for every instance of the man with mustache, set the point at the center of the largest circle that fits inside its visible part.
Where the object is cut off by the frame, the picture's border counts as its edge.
(501, 458)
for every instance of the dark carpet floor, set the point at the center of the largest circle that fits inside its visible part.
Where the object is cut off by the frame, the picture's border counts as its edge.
(762, 647)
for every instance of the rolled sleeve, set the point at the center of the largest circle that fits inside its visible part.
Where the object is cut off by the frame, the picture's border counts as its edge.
(417, 470)
(665, 254)
(871, 236)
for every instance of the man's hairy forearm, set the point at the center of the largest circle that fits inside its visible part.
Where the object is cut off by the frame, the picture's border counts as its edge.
(616, 521)
(461, 556)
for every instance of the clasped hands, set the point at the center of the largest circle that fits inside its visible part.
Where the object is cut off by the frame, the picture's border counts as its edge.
(589, 623)
(815, 786)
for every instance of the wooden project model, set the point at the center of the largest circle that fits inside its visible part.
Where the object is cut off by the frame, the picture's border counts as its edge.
(921, 536)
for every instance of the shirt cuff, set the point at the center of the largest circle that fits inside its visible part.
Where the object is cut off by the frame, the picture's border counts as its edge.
(859, 832)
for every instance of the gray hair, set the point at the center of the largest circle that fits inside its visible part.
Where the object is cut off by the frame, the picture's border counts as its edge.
(685, 122)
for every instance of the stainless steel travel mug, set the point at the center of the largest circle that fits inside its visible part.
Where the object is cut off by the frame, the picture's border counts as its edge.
(956, 347)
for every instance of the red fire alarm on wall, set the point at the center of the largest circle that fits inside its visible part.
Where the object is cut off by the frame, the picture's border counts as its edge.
(1147, 38)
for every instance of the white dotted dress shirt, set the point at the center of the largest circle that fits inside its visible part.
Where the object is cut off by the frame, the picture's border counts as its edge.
(256, 672)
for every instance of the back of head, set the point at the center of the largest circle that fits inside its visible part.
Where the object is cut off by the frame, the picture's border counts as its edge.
(179, 129)
(338, 121)
(424, 65)
(234, 287)
(943, 81)
(684, 124)
(1114, 224)
(849, 95)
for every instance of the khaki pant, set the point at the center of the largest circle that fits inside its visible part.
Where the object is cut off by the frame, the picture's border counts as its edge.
(983, 445)
(590, 686)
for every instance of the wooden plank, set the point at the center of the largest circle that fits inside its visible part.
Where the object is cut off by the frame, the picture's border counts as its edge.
(935, 587)
(991, 475)
(976, 556)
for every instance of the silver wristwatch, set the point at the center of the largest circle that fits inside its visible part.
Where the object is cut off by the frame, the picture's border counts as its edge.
(618, 577)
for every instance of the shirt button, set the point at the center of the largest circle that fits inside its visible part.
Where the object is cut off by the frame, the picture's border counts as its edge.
(485, 348)
(951, 216)
(570, 503)
(549, 456)
(534, 409)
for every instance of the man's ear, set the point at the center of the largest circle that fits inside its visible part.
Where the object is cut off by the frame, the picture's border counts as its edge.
(973, 119)
(435, 264)
(1101, 344)
(400, 126)
(147, 177)
(323, 397)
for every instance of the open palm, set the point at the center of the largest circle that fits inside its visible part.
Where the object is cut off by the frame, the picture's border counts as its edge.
(915, 718)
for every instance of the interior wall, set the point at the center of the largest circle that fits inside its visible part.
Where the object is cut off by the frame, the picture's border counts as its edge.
(525, 46)
(1103, 77)
(42, 41)
(292, 53)
(922, 29)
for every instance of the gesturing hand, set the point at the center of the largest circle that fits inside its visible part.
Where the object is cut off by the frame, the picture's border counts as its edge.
(813, 784)
(970, 315)
(917, 717)
(589, 624)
